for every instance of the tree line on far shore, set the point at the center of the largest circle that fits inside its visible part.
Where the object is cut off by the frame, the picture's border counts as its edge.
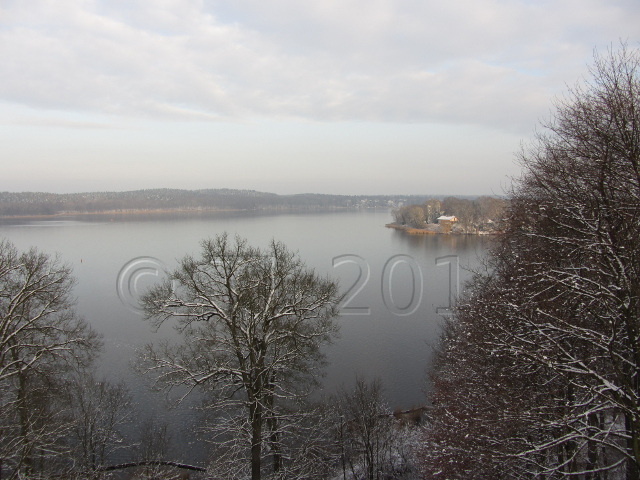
(166, 199)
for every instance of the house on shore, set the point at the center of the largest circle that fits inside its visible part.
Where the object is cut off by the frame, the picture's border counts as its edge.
(446, 223)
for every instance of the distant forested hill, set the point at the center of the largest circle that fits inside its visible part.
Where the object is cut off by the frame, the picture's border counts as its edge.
(39, 203)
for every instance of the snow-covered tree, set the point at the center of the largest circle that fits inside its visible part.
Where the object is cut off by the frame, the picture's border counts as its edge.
(99, 410)
(42, 342)
(540, 371)
(371, 443)
(253, 323)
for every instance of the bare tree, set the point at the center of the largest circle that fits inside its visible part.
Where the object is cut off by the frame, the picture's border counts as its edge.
(100, 410)
(466, 211)
(399, 215)
(153, 448)
(593, 221)
(412, 215)
(154, 440)
(432, 210)
(415, 216)
(254, 322)
(490, 208)
(42, 341)
(561, 306)
(371, 443)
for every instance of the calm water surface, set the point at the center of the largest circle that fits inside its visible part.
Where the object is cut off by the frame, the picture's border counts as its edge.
(395, 285)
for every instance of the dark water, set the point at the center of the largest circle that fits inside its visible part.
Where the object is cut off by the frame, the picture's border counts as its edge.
(397, 289)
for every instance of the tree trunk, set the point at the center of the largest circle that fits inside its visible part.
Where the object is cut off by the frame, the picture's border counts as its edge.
(277, 455)
(592, 449)
(272, 422)
(633, 447)
(256, 441)
(23, 413)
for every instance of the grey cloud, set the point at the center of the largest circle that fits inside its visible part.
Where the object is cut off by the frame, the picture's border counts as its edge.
(481, 62)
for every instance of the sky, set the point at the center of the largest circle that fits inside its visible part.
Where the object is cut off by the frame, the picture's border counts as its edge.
(288, 96)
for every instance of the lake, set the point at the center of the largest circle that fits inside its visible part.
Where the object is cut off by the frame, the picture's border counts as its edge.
(398, 286)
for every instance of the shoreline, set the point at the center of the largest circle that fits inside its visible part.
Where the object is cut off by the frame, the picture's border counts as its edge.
(160, 211)
(412, 231)
(117, 212)
(424, 231)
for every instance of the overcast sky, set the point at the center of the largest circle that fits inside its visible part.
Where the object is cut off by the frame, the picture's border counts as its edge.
(287, 96)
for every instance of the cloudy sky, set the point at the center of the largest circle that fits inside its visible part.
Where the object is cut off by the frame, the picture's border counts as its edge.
(287, 96)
